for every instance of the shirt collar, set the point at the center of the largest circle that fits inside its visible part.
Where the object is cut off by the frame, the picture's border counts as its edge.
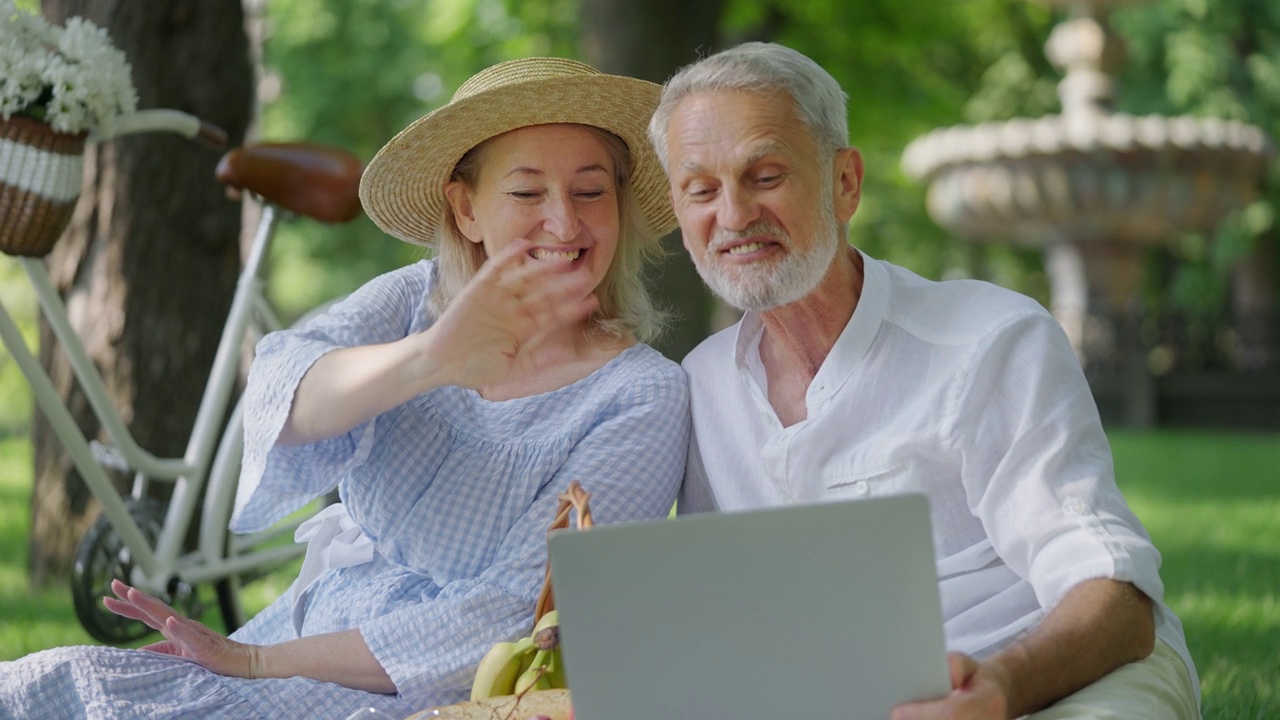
(856, 338)
(852, 345)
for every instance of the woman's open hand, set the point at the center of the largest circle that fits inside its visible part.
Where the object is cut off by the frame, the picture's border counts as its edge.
(183, 637)
(511, 304)
(491, 334)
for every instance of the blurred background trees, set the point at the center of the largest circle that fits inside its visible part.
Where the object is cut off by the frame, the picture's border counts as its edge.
(354, 72)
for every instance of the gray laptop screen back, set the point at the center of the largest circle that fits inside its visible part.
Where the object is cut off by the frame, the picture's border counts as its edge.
(817, 611)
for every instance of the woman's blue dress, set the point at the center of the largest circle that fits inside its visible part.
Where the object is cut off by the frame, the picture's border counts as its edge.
(456, 492)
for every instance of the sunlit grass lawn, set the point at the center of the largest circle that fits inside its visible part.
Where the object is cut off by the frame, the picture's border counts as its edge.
(1212, 504)
(32, 621)
(1210, 501)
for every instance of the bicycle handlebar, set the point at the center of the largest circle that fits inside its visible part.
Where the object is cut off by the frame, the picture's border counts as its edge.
(174, 121)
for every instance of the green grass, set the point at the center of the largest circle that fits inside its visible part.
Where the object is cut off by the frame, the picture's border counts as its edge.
(1212, 505)
(34, 620)
(1210, 501)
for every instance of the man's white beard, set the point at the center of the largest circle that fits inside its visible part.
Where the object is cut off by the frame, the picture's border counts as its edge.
(769, 284)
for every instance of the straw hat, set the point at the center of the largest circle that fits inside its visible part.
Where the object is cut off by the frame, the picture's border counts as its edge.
(402, 189)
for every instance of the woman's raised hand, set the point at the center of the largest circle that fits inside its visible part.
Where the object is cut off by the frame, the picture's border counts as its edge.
(183, 636)
(513, 303)
(489, 335)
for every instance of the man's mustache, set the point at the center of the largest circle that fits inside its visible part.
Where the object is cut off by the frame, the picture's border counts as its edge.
(760, 228)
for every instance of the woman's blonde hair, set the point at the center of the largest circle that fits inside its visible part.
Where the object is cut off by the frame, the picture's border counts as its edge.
(625, 304)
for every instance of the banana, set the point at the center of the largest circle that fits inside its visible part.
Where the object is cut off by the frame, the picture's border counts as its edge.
(555, 670)
(526, 660)
(499, 669)
(528, 664)
(535, 678)
(546, 636)
(550, 618)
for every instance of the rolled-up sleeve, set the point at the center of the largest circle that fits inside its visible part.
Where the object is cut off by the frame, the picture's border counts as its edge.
(1037, 466)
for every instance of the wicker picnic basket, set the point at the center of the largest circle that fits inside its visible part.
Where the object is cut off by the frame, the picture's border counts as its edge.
(571, 500)
(554, 703)
(40, 172)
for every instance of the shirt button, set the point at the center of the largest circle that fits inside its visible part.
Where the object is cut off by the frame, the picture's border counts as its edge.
(860, 487)
(1075, 506)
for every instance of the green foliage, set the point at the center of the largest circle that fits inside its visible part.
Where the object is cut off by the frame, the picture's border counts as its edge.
(353, 73)
(15, 394)
(1207, 59)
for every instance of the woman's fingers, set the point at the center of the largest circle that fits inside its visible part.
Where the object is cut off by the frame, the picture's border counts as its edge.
(183, 637)
(137, 605)
(514, 302)
(545, 295)
(127, 606)
(124, 609)
(163, 646)
(535, 282)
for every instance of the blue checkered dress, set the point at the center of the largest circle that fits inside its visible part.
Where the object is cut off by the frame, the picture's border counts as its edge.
(456, 491)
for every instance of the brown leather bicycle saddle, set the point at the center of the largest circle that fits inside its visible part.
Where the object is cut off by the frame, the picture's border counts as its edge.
(314, 180)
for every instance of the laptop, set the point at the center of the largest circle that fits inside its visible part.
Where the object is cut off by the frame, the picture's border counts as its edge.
(813, 611)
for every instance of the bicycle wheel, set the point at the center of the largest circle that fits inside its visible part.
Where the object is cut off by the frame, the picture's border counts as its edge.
(101, 556)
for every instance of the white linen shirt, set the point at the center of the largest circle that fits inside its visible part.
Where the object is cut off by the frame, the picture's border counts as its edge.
(963, 391)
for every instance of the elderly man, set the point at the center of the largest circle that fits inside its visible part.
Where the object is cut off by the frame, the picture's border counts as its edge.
(848, 377)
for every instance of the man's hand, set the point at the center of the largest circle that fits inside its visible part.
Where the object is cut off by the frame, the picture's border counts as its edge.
(1098, 626)
(978, 691)
(183, 637)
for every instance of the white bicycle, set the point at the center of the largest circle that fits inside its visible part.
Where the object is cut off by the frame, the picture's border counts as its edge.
(136, 538)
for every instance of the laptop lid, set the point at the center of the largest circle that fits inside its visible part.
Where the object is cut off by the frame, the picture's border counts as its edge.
(814, 611)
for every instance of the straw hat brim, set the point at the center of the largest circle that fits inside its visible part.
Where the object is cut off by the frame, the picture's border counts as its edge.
(402, 189)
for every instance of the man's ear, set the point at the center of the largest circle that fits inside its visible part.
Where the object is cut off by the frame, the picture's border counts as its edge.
(846, 169)
(459, 197)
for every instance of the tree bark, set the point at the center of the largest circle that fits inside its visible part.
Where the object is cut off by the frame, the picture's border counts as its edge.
(651, 40)
(149, 262)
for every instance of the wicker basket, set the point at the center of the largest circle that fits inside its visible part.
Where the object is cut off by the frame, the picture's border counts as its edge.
(572, 499)
(40, 172)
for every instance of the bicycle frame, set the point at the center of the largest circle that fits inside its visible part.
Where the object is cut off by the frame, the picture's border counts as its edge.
(208, 447)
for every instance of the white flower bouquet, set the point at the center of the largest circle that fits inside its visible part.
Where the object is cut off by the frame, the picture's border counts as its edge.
(71, 77)
(56, 85)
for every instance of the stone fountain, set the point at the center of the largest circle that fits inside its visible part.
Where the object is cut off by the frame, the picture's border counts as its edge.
(1091, 187)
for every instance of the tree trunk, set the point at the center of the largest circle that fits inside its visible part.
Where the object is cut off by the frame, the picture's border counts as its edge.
(651, 40)
(149, 262)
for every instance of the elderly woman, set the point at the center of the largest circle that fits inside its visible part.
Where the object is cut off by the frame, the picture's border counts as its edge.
(448, 402)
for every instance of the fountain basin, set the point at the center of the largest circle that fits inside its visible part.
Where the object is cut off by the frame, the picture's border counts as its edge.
(1088, 177)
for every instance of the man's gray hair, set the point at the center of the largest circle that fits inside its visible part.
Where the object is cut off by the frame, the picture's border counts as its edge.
(819, 101)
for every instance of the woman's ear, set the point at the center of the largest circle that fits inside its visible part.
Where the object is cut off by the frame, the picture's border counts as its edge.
(459, 197)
